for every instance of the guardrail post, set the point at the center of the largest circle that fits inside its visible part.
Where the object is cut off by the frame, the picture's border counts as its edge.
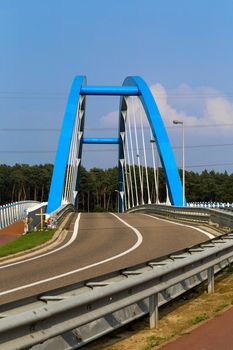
(154, 311)
(210, 273)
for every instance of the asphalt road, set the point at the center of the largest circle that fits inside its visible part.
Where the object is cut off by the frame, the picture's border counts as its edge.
(97, 243)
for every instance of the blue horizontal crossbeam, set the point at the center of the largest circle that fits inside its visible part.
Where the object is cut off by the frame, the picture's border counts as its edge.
(101, 141)
(110, 90)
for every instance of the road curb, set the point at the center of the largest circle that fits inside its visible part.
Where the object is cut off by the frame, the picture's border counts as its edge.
(58, 237)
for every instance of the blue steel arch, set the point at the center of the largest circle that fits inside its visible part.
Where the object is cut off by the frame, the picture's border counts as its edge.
(161, 138)
(132, 86)
(59, 171)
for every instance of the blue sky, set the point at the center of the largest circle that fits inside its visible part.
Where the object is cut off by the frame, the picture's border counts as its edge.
(183, 49)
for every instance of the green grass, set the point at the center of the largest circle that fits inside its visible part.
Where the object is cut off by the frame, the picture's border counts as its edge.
(28, 241)
(153, 341)
(228, 269)
(221, 307)
(200, 318)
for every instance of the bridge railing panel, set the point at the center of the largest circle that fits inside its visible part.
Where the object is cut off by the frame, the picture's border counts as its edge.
(12, 212)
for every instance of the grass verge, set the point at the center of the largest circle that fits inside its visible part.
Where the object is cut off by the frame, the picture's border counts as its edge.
(200, 318)
(153, 341)
(25, 242)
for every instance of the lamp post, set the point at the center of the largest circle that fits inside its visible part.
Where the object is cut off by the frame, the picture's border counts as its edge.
(179, 122)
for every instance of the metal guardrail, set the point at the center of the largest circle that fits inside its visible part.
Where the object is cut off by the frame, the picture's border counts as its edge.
(70, 320)
(12, 212)
(57, 216)
(222, 218)
(221, 205)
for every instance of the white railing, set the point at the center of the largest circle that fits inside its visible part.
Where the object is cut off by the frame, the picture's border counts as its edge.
(210, 205)
(12, 212)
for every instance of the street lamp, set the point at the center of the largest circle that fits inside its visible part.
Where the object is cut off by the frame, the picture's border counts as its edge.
(179, 122)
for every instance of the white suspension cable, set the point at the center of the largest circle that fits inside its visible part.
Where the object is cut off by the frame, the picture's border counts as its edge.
(157, 198)
(154, 166)
(71, 175)
(73, 157)
(67, 180)
(64, 198)
(124, 188)
(138, 158)
(74, 161)
(145, 160)
(168, 202)
(126, 174)
(132, 154)
(129, 168)
(124, 199)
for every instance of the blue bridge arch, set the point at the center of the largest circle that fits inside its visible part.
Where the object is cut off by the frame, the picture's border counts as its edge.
(132, 86)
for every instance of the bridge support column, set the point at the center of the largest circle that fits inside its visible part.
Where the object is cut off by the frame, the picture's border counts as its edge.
(154, 311)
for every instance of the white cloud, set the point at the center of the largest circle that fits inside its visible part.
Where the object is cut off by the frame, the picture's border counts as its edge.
(219, 111)
(168, 112)
(213, 107)
(194, 106)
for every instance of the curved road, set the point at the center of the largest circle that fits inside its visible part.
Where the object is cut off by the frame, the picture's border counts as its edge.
(96, 244)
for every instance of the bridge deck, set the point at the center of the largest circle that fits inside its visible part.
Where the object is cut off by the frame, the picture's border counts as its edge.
(103, 244)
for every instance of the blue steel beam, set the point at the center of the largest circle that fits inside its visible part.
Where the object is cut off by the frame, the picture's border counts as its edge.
(121, 160)
(59, 171)
(161, 138)
(110, 90)
(101, 141)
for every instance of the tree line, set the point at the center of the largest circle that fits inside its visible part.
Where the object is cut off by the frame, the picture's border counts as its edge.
(22, 182)
(98, 187)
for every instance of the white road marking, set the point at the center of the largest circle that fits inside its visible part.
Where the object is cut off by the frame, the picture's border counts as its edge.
(72, 239)
(177, 223)
(135, 246)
